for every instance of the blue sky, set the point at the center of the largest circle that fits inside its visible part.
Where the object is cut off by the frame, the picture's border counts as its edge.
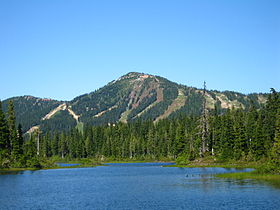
(62, 48)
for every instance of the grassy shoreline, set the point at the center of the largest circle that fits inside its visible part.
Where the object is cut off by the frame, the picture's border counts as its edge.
(212, 162)
(7, 170)
(250, 175)
(213, 166)
(55, 166)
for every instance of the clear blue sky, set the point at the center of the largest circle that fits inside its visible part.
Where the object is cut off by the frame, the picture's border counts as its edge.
(62, 48)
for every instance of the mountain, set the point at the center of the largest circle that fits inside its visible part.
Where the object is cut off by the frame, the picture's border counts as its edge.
(134, 96)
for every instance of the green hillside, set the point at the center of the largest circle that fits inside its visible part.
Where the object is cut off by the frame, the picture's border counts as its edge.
(132, 97)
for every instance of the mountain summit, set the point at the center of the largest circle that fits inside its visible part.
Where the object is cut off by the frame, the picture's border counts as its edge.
(134, 96)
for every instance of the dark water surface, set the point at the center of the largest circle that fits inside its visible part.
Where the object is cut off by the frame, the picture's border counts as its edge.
(133, 186)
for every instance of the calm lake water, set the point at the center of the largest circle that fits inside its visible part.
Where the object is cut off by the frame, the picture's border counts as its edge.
(134, 186)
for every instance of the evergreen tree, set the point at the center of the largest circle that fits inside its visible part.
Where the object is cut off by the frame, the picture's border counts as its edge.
(89, 144)
(276, 146)
(180, 140)
(150, 146)
(258, 138)
(204, 125)
(30, 151)
(214, 130)
(14, 141)
(63, 145)
(30, 147)
(250, 126)
(20, 138)
(4, 135)
(45, 146)
(270, 112)
(55, 144)
(240, 146)
(227, 136)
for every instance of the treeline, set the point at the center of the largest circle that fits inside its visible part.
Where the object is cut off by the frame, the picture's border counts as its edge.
(235, 135)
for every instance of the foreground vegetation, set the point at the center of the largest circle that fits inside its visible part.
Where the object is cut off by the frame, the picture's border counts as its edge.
(250, 175)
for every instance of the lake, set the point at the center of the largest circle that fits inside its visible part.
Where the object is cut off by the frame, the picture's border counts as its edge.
(134, 186)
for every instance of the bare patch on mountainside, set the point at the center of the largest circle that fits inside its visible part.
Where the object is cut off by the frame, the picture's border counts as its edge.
(262, 99)
(32, 129)
(74, 115)
(61, 107)
(54, 111)
(179, 102)
(228, 104)
(103, 112)
(139, 92)
(159, 99)
(224, 101)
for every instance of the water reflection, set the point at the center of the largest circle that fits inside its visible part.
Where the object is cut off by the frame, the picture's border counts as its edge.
(17, 172)
(275, 183)
(5, 172)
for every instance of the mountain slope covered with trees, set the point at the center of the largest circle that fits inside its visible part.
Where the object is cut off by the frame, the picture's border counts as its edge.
(132, 97)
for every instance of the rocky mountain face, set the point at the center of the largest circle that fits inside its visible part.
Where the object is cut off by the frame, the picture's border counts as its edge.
(134, 96)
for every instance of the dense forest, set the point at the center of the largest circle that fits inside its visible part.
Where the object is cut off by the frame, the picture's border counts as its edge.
(236, 134)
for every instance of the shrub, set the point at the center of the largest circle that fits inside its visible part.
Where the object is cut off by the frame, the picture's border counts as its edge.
(182, 159)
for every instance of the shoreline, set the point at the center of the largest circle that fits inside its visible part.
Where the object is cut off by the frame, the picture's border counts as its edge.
(83, 163)
(235, 175)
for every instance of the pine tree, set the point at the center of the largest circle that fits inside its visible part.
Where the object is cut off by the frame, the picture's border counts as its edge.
(20, 138)
(150, 146)
(227, 136)
(258, 141)
(89, 144)
(63, 145)
(240, 146)
(204, 125)
(54, 144)
(250, 125)
(14, 143)
(275, 153)
(45, 146)
(132, 146)
(4, 134)
(30, 147)
(215, 129)
(180, 139)
(270, 112)
(30, 151)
